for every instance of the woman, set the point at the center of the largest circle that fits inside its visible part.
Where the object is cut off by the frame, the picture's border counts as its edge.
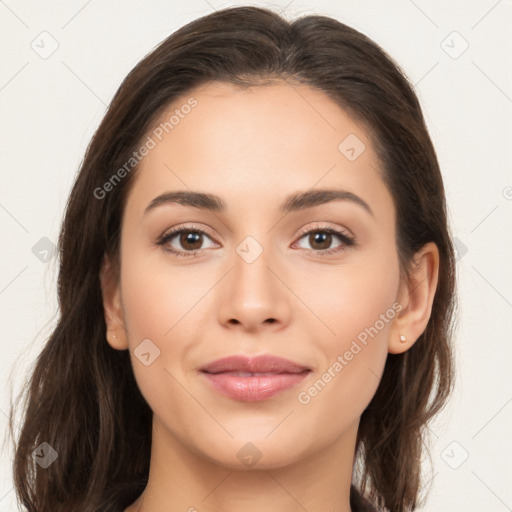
(256, 284)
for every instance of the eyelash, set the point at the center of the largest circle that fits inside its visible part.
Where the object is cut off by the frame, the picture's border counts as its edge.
(346, 241)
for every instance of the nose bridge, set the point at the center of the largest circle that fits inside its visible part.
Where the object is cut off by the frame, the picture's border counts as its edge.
(252, 295)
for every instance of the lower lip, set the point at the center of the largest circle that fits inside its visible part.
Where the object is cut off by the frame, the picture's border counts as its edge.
(255, 388)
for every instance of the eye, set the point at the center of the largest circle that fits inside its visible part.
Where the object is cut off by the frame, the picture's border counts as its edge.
(185, 241)
(189, 241)
(320, 240)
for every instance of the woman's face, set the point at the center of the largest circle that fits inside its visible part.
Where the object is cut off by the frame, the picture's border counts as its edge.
(268, 275)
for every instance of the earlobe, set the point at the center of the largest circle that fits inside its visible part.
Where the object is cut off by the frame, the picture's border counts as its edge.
(111, 295)
(416, 296)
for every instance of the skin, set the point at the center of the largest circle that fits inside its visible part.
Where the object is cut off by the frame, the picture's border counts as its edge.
(253, 147)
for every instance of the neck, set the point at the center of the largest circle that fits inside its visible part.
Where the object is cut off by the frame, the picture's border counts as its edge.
(180, 479)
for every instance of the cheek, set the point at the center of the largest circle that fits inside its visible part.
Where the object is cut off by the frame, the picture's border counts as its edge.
(159, 305)
(159, 300)
(350, 298)
(356, 304)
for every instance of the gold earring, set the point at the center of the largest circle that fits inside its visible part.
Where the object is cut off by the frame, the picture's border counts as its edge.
(403, 339)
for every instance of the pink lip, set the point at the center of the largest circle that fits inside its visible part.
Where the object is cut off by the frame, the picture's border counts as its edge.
(272, 375)
(265, 363)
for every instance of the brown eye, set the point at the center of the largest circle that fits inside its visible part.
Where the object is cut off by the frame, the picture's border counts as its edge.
(191, 240)
(325, 240)
(320, 240)
(186, 242)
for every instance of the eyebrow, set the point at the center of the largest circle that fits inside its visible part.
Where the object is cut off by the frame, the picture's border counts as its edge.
(294, 202)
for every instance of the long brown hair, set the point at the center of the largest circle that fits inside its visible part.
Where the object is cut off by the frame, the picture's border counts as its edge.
(82, 394)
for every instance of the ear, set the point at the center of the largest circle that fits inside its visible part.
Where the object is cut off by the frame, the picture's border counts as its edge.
(416, 296)
(112, 307)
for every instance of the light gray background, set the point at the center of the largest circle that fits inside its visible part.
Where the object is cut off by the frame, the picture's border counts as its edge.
(51, 106)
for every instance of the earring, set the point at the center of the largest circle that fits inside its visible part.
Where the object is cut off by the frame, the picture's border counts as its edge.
(403, 339)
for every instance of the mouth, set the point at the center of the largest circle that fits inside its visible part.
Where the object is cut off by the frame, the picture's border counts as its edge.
(253, 379)
(253, 387)
(262, 364)
(253, 374)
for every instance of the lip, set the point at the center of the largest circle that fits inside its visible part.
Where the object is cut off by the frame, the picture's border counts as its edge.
(264, 363)
(231, 376)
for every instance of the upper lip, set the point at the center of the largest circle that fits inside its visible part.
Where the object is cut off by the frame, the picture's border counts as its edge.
(259, 364)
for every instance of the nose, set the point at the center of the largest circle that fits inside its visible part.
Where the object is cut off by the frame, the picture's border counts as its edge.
(252, 297)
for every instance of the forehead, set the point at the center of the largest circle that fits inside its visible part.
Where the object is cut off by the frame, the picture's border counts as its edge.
(256, 141)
